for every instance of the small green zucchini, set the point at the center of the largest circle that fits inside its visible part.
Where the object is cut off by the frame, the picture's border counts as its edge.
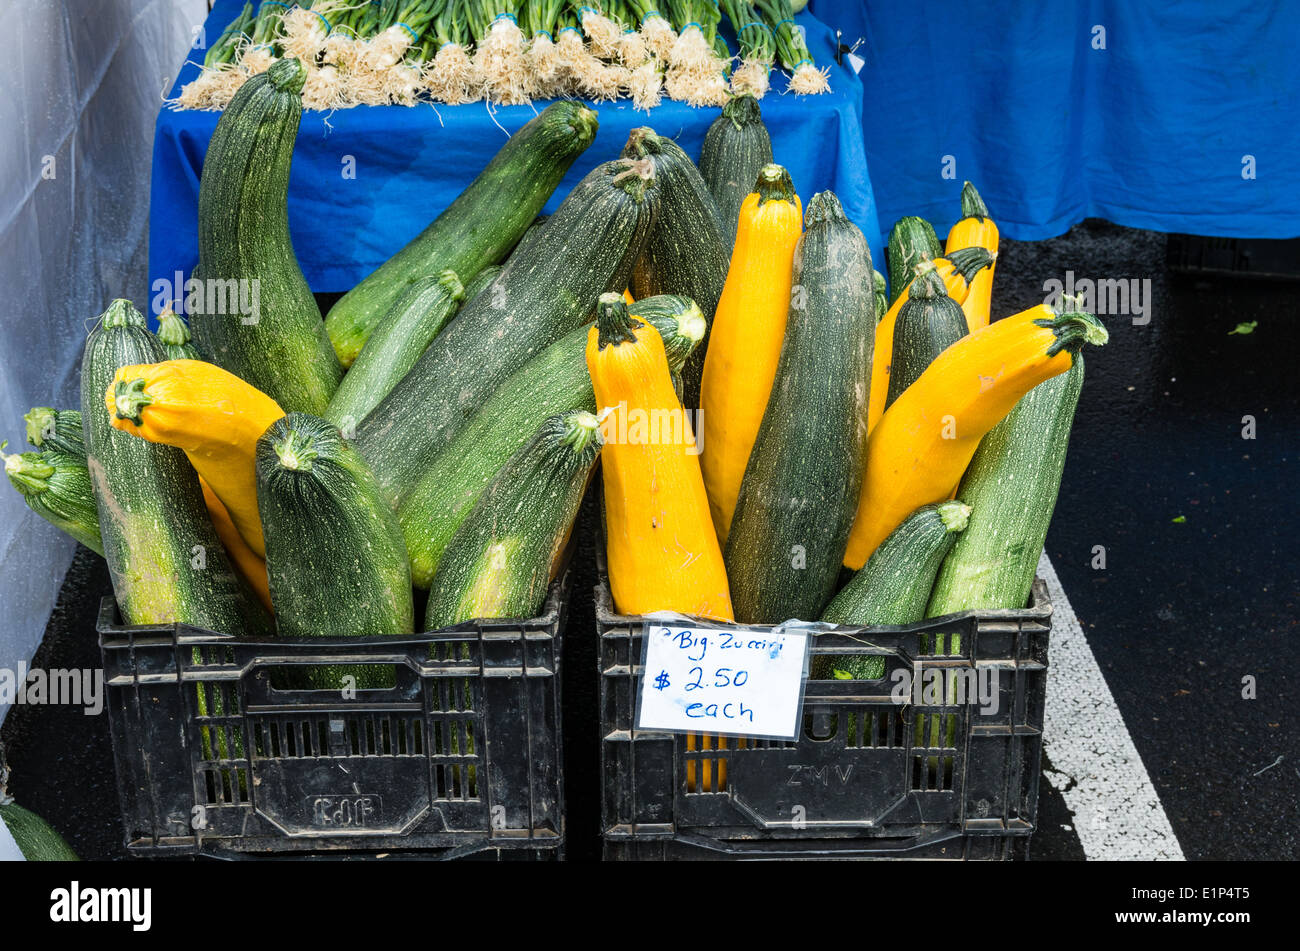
(911, 241)
(56, 486)
(928, 323)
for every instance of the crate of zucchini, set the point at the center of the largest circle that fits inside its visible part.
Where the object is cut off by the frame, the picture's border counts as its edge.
(886, 469)
(278, 497)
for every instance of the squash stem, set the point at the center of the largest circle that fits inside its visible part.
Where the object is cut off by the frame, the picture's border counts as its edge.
(122, 313)
(955, 515)
(40, 422)
(172, 330)
(970, 261)
(972, 205)
(774, 184)
(580, 429)
(450, 282)
(928, 285)
(614, 322)
(129, 398)
(28, 472)
(1073, 329)
(287, 75)
(296, 451)
(635, 177)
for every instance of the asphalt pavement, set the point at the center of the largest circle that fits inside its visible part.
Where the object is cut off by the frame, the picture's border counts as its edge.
(1190, 619)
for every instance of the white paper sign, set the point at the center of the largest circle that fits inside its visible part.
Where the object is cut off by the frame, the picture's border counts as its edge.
(734, 682)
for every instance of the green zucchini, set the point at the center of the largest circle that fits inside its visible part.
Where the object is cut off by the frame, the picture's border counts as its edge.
(928, 323)
(893, 587)
(684, 253)
(334, 554)
(882, 295)
(911, 241)
(554, 381)
(56, 486)
(165, 558)
(736, 147)
(585, 249)
(401, 337)
(1011, 484)
(174, 335)
(481, 280)
(273, 338)
(800, 488)
(499, 562)
(35, 838)
(478, 228)
(58, 429)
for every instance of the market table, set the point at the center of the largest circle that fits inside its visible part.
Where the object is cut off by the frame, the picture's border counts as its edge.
(368, 179)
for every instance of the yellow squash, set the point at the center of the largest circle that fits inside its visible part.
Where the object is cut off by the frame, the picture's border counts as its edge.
(975, 230)
(662, 551)
(925, 440)
(213, 415)
(250, 567)
(745, 340)
(959, 276)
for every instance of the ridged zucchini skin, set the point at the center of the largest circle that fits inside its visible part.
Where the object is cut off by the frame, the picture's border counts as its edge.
(174, 334)
(1011, 484)
(928, 323)
(684, 253)
(57, 429)
(35, 838)
(893, 587)
(736, 147)
(911, 241)
(586, 248)
(56, 486)
(796, 502)
(499, 562)
(882, 296)
(334, 552)
(244, 236)
(555, 381)
(477, 229)
(402, 336)
(165, 558)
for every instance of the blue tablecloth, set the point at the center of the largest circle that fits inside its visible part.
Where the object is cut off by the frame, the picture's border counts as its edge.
(1177, 115)
(411, 162)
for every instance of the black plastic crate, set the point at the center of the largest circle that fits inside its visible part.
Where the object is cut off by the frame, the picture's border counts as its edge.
(868, 778)
(462, 758)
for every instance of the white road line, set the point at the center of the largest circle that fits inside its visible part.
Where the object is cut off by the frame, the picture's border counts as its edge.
(1095, 765)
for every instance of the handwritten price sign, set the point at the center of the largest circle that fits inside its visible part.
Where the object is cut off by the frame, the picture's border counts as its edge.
(733, 682)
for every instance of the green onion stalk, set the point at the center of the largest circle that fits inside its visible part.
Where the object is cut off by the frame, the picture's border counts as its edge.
(792, 50)
(409, 20)
(757, 48)
(453, 78)
(601, 31)
(499, 51)
(696, 71)
(262, 51)
(645, 81)
(538, 19)
(341, 47)
(225, 49)
(656, 29)
(632, 48)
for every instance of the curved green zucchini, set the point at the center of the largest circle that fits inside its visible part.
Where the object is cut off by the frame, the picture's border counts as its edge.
(35, 838)
(1011, 483)
(274, 338)
(798, 495)
(478, 228)
(334, 553)
(586, 248)
(893, 587)
(911, 241)
(554, 381)
(499, 562)
(174, 335)
(928, 323)
(397, 342)
(736, 147)
(165, 558)
(684, 253)
(56, 486)
(58, 429)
